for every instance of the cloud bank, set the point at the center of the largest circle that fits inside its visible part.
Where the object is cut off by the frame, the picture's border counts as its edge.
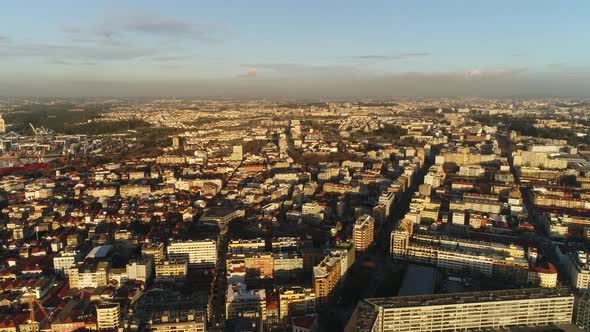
(505, 84)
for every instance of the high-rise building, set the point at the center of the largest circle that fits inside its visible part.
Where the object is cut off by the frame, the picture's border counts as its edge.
(198, 252)
(387, 199)
(326, 277)
(583, 312)
(400, 237)
(108, 316)
(2, 125)
(495, 260)
(489, 310)
(363, 233)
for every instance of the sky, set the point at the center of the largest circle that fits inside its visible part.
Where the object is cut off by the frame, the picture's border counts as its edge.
(295, 49)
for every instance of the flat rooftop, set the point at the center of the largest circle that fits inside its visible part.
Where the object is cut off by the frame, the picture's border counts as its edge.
(217, 212)
(471, 297)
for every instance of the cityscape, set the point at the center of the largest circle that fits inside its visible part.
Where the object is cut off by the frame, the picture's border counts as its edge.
(311, 202)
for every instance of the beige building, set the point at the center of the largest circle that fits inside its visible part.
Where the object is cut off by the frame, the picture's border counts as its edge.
(490, 310)
(171, 269)
(287, 265)
(326, 277)
(140, 270)
(295, 301)
(363, 233)
(88, 276)
(400, 237)
(545, 276)
(102, 192)
(246, 246)
(488, 258)
(154, 250)
(178, 321)
(108, 316)
(130, 190)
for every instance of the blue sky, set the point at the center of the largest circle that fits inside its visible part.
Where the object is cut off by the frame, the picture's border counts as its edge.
(295, 48)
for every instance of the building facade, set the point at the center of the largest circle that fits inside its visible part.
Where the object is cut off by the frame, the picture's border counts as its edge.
(108, 316)
(490, 310)
(363, 233)
(199, 252)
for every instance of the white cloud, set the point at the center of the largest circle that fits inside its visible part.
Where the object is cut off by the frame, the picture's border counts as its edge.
(478, 73)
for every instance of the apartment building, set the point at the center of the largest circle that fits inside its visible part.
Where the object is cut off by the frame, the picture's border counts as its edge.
(363, 233)
(583, 312)
(578, 267)
(241, 301)
(108, 316)
(262, 264)
(197, 252)
(543, 276)
(295, 301)
(154, 250)
(246, 246)
(178, 321)
(65, 259)
(92, 275)
(489, 310)
(140, 270)
(287, 265)
(456, 254)
(171, 269)
(326, 277)
(386, 199)
(131, 190)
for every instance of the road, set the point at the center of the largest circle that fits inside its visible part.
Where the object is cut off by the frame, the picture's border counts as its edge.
(375, 274)
(217, 314)
(541, 238)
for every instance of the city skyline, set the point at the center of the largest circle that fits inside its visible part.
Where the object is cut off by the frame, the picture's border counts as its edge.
(308, 50)
(273, 166)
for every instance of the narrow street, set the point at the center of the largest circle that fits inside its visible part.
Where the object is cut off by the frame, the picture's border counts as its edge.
(375, 274)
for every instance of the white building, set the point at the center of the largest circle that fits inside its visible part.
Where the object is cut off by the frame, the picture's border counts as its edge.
(578, 269)
(141, 270)
(489, 310)
(65, 260)
(198, 252)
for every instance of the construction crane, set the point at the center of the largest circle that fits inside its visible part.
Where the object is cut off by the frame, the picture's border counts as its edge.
(34, 130)
(32, 300)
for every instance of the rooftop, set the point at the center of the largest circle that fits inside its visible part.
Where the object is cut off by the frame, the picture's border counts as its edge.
(471, 297)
